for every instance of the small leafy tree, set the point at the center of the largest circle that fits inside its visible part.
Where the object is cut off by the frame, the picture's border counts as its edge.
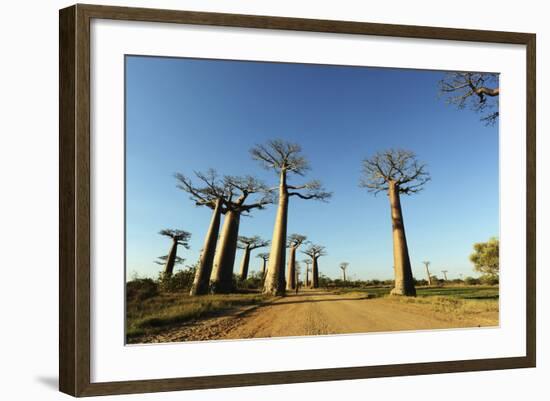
(486, 258)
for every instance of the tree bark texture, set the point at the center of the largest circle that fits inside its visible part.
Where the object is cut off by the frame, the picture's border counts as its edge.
(404, 282)
(429, 276)
(170, 261)
(221, 281)
(314, 274)
(275, 279)
(204, 270)
(244, 264)
(291, 272)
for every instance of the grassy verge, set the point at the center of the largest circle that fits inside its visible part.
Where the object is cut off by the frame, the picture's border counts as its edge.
(461, 292)
(455, 307)
(166, 310)
(452, 302)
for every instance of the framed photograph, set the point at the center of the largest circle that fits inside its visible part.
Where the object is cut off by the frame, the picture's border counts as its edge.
(249, 200)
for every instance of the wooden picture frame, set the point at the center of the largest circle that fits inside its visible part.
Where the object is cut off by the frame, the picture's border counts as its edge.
(74, 204)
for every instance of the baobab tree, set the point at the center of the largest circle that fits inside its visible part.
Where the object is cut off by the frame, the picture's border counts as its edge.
(478, 90)
(344, 266)
(161, 260)
(240, 190)
(445, 274)
(315, 252)
(285, 158)
(179, 237)
(427, 264)
(396, 172)
(213, 193)
(308, 269)
(293, 243)
(265, 257)
(297, 270)
(248, 244)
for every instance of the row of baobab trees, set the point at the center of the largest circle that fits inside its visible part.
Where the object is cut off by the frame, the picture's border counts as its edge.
(395, 172)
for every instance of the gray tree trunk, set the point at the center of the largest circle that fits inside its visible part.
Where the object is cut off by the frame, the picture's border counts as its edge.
(204, 270)
(244, 264)
(275, 279)
(429, 276)
(306, 284)
(291, 272)
(264, 262)
(221, 281)
(404, 282)
(170, 261)
(314, 274)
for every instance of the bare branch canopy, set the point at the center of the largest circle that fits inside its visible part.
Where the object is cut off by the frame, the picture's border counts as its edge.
(179, 236)
(251, 242)
(394, 166)
(478, 90)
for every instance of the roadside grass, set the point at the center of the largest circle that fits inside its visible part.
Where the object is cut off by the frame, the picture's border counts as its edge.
(462, 292)
(155, 314)
(453, 302)
(477, 292)
(454, 307)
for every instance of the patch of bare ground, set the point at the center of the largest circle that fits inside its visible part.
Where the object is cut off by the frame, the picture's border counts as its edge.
(322, 312)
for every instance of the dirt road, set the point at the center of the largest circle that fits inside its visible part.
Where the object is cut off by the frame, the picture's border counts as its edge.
(320, 312)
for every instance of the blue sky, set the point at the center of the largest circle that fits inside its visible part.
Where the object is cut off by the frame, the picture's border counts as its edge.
(187, 114)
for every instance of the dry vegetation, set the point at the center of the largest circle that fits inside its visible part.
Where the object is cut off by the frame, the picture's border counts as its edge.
(166, 310)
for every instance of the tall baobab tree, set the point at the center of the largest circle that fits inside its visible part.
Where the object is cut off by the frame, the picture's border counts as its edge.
(445, 274)
(427, 264)
(308, 269)
(265, 257)
(179, 237)
(297, 270)
(344, 266)
(161, 260)
(248, 244)
(293, 243)
(478, 90)
(240, 189)
(213, 193)
(396, 172)
(285, 158)
(315, 252)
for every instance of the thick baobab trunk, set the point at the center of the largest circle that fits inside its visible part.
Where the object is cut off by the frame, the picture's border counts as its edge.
(344, 275)
(204, 270)
(221, 280)
(275, 278)
(429, 276)
(244, 264)
(314, 274)
(404, 282)
(170, 261)
(264, 262)
(291, 272)
(306, 284)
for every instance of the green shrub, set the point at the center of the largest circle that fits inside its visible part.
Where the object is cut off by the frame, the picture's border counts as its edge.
(141, 289)
(489, 279)
(182, 280)
(471, 281)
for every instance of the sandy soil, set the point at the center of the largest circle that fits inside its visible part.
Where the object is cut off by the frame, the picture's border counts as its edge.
(319, 312)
